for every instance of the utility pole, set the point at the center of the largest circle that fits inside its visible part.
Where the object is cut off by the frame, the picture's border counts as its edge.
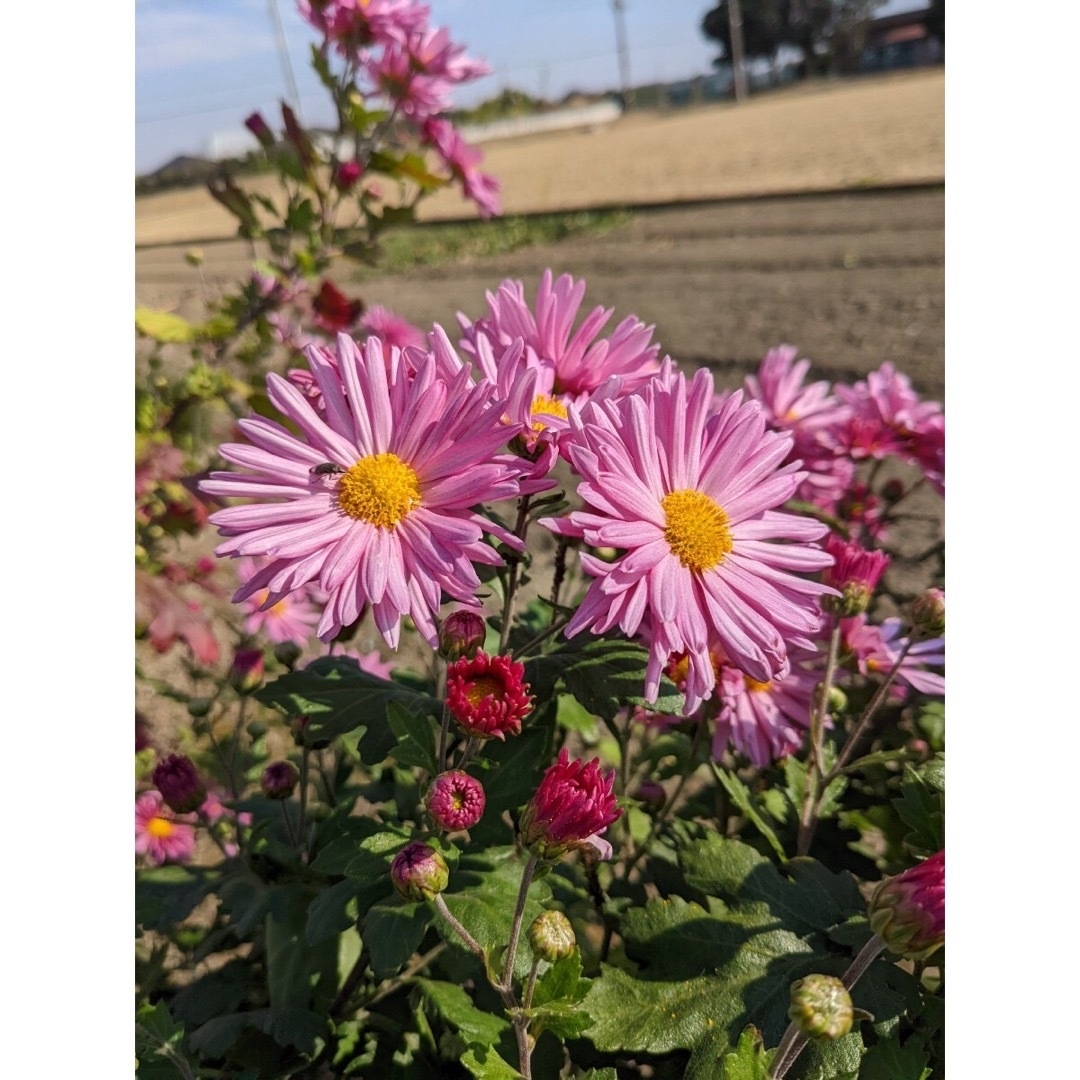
(283, 55)
(738, 71)
(617, 7)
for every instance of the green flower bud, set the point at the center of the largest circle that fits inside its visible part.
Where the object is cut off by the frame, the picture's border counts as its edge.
(287, 653)
(419, 872)
(821, 1007)
(551, 936)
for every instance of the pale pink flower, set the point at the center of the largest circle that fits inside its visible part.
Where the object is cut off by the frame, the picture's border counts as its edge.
(293, 617)
(579, 360)
(689, 495)
(161, 835)
(373, 500)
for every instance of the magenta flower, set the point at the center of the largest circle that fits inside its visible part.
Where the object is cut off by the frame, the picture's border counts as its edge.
(160, 835)
(279, 779)
(908, 911)
(289, 618)
(392, 330)
(574, 803)
(463, 159)
(461, 635)
(455, 800)
(854, 574)
(179, 783)
(579, 360)
(373, 500)
(247, 671)
(688, 495)
(488, 695)
(875, 649)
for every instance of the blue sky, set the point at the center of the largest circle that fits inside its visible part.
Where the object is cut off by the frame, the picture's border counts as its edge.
(202, 65)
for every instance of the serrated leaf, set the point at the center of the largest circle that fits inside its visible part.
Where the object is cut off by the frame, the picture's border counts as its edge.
(748, 805)
(561, 982)
(215, 994)
(739, 875)
(456, 1008)
(393, 931)
(560, 1018)
(571, 715)
(159, 1044)
(485, 1064)
(416, 737)
(823, 1059)
(921, 807)
(749, 1060)
(887, 1060)
(163, 326)
(333, 859)
(338, 697)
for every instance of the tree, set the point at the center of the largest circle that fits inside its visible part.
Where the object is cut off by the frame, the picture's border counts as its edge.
(761, 24)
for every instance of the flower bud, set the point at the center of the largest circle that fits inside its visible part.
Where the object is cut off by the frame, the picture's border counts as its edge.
(574, 803)
(198, 707)
(181, 787)
(551, 936)
(260, 129)
(346, 174)
(892, 490)
(928, 615)
(821, 1007)
(287, 653)
(279, 779)
(419, 872)
(298, 725)
(908, 911)
(855, 573)
(455, 800)
(246, 673)
(488, 695)
(837, 701)
(462, 635)
(651, 795)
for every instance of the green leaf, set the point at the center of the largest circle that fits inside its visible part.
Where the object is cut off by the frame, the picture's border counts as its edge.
(416, 736)
(332, 859)
(823, 1059)
(288, 1027)
(287, 952)
(562, 981)
(887, 1060)
(166, 895)
(921, 806)
(301, 216)
(733, 871)
(571, 715)
(163, 326)
(159, 1045)
(215, 994)
(455, 1007)
(564, 1020)
(750, 1060)
(338, 697)
(331, 912)
(393, 932)
(485, 1064)
(745, 801)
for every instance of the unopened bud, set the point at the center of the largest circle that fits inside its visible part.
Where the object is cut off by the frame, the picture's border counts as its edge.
(279, 779)
(179, 782)
(651, 795)
(346, 174)
(461, 635)
(199, 707)
(552, 937)
(455, 800)
(260, 129)
(287, 653)
(892, 490)
(908, 911)
(837, 701)
(300, 725)
(928, 614)
(246, 673)
(821, 1007)
(419, 872)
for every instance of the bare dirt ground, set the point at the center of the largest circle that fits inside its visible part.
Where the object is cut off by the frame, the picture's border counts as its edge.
(852, 278)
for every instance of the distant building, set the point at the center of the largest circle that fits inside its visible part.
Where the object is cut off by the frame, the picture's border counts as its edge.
(900, 41)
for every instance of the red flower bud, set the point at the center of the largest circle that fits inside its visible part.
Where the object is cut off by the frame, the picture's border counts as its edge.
(908, 911)
(419, 872)
(488, 695)
(461, 635)
(181, 787)
(279, 779)
(455, 800)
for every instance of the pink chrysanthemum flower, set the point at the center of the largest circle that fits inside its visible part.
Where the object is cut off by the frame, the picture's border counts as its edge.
(573, 805)
(291, 618)
(689, 495)
(455, 800)
(488, 695)
(373, 501)
(392, 330)
(360, 24)
(463, 159)
(874, 651)
(580, 361)
(160, 834)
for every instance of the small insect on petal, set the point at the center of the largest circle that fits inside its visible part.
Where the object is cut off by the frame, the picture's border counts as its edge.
(327, 468)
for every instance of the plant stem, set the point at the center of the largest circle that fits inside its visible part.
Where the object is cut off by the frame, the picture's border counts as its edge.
(521, 528)
(471, 943)
(507, 976)
(231, 766)
(305, 760)
(530, 986)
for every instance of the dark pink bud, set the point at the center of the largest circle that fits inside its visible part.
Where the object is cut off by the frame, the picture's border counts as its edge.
(346, 174)
(181, 787)
(574, 803)
(488, 695)
(260, 129)
(246, 673)
(651, 795)
(419, 872)
(855, 573)
(279, 779)
(455, 800)
(908, 911)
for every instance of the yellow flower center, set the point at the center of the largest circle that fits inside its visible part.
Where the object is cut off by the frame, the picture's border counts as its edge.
(380, 489)
(754, 685)
(545, 405)
(697, 531)
(278, 609)
(160, 827)
(483, 687)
